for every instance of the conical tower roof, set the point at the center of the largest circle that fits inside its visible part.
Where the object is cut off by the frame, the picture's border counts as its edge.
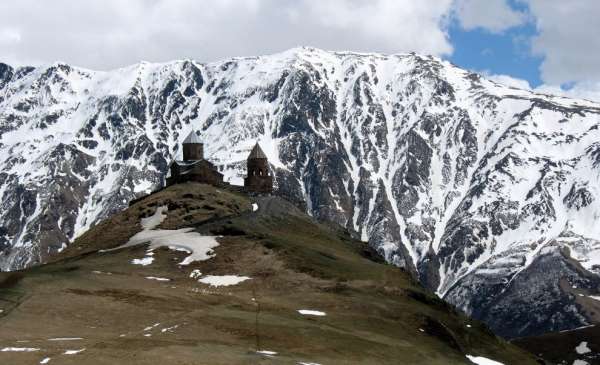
(192, 138)
(256, 152)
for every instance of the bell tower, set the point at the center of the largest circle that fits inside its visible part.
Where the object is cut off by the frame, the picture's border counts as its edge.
(193, 149)
(259, 178)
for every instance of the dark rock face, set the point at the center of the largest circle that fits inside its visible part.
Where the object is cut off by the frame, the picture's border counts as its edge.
(506, 304)
(6, 73)
(578, 197)
(461, 181)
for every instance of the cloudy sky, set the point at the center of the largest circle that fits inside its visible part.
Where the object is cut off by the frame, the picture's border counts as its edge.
(549, 45)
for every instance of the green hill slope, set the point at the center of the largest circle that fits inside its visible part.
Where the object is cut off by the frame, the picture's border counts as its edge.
(311, 294)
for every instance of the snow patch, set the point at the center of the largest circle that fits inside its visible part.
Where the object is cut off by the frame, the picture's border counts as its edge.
(309, 312)
(181, 249)
(254, 207)
(157, 279)
(143, 261)
(266, 353)
(65, 339)
(169, 329)
(98, 272)
(143, 186)
(45, 360)
(199, 247)
(73, 352)
(479, 360)
(19, 349)
(156, 219)
(583, 348)
(195, 274)
(223, 280)
(151, 327)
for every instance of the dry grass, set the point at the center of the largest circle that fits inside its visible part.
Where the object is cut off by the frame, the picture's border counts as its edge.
(374, 311)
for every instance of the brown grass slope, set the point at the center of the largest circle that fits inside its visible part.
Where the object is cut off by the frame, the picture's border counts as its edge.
(375, 313)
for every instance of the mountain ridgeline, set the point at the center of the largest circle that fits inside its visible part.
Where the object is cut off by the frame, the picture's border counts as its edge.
(486, 193)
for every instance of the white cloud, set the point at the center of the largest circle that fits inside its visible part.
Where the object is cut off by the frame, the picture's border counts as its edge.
(568, 40)
(510, 81)
(385, 22)
(493, 15)
(105, 34)
(582, 90)
(9, 35)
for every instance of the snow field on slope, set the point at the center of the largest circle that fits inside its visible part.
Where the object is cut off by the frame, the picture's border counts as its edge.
(199, 247)
(222, 280)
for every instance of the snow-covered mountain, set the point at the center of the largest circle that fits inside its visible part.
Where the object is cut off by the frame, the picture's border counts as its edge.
(489, 194)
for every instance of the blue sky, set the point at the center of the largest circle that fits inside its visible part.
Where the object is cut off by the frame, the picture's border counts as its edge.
(547, 45)
(507, 53)
(505, 49)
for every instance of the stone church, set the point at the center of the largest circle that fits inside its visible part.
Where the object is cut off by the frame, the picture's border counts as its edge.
(194, 167)
(258, 179)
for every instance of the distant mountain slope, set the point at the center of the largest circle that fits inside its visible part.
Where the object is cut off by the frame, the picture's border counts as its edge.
(488, 194)
(278, 288)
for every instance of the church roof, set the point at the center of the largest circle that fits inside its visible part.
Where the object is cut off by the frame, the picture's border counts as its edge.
(257, 152)
(192, 138)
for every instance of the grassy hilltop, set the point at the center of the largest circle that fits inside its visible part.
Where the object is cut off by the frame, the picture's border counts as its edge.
(94, 298)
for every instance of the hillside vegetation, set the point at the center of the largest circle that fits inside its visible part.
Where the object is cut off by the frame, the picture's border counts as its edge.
(314, 295)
